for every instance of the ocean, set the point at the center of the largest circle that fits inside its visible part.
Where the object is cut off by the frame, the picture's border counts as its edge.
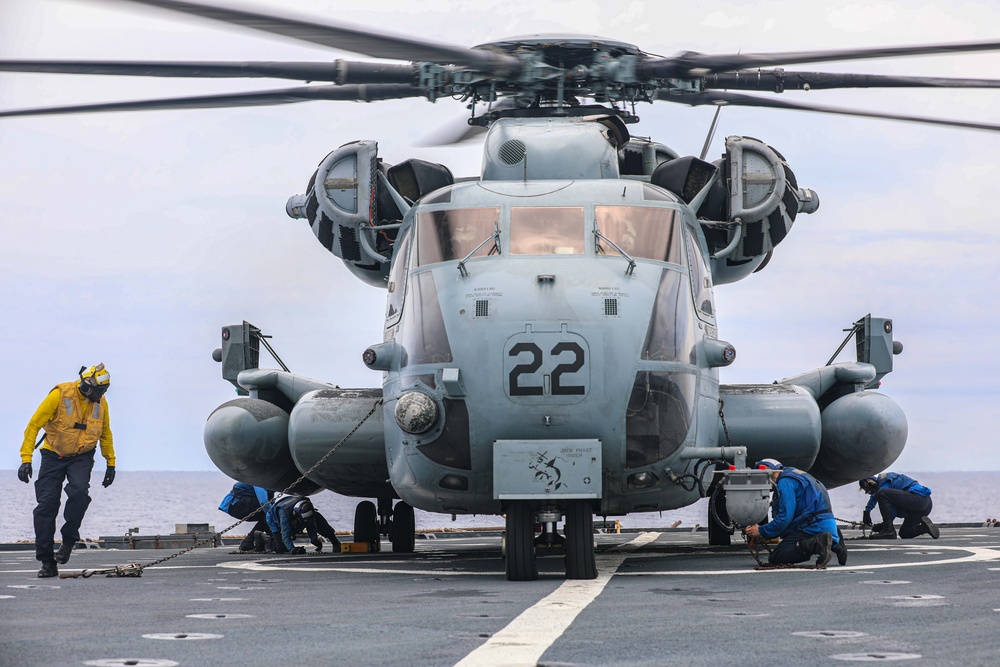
(153, 502)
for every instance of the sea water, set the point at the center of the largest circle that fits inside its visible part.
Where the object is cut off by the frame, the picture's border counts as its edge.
(154, 502)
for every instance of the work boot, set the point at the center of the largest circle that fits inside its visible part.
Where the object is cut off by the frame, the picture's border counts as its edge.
(823, 549)
(259, 543)
(65, 551)
(841, 550)
(885, 533)
(932, 530)
(49, 569)
(247, 544)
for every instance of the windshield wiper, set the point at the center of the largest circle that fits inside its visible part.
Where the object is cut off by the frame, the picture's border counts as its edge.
(602, 237)
(495, 236)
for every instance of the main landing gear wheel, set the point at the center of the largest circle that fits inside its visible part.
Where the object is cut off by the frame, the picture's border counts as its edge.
(520, 562)
(719, 534)
(403, 531)
(366, 527)
(580, 562)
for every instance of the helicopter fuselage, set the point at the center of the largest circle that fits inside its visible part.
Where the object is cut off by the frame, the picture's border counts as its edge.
(574, 327)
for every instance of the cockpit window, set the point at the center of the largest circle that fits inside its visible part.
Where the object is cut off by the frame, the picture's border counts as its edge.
(646, 232)
(452, 235)
(397, 279)
(551, 230)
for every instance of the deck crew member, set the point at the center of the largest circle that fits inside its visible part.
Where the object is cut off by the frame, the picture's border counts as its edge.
(246, 502)
(289, 516)
(75, 418)
(898, 495)
(801, 517)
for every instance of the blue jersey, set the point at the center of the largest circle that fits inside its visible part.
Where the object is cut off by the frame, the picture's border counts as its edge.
(896, 480)
(801, 503)
(241, 490)
(286, 524)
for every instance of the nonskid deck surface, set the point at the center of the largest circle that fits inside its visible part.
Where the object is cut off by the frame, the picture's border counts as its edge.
(660, 598)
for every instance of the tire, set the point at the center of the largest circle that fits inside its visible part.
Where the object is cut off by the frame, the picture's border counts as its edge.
(366, 524)
(403, 529)
(580, 561)
(520, 562)
(719, 535)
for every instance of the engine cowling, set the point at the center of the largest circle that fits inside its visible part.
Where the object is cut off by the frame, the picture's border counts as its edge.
(751, 208)
(347, 198)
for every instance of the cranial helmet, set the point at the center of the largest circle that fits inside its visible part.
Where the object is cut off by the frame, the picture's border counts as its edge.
(94, 382)
(770, 464)
(303, 508)
(868, 484)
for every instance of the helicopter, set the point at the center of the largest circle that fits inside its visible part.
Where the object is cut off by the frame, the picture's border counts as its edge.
(572, 371)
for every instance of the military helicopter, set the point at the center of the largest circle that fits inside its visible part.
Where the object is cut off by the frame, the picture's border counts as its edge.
(551, 346)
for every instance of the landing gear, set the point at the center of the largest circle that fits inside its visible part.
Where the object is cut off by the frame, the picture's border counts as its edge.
(520, 542)
(366, 525)
(402, 529)
(719, 533)
(580, 563)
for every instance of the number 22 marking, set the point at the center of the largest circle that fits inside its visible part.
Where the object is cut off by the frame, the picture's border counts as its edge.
(558, 389)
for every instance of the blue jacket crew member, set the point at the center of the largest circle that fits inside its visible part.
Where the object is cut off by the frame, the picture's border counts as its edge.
(74, 416)
(242, 502)
(289, 516)
(801, 517)
(898, 495)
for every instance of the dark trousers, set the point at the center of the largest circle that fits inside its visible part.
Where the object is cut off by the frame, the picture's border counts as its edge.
(75, 471)
(324, 528)
(319, 525)
(911, 506)
(787, 551)
(241, 509)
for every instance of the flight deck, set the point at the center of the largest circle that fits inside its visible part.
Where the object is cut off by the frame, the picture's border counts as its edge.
(661, 597)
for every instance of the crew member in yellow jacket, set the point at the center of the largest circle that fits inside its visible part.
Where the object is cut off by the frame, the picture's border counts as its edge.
(75, 418)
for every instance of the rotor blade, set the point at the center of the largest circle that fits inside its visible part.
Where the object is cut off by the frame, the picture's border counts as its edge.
(781, 80)
(359, 93)
(338, 71)
(346, 37)
(737, 99)
(700, 64)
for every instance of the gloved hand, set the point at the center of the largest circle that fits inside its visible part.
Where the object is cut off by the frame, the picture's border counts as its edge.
(318, 543)
(866, 518)
(24, 472)
(298, 551)
(109, 477)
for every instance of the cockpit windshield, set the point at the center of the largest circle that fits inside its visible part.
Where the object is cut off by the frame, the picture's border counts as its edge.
(453, 234)
(549, 230)
(640, 231)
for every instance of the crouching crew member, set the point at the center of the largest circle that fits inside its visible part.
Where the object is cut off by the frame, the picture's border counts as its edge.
(289, 516)
(245, 502)
(898, 495)
(801, 517)
(74, 416)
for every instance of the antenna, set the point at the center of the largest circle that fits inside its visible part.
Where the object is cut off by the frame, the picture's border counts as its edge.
(711, 132)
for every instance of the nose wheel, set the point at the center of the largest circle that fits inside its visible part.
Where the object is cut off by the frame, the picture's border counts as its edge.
(580, 560)
(402, 529)
(520, 542)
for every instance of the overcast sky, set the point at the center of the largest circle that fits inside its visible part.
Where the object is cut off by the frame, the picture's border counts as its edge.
(131, 238)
